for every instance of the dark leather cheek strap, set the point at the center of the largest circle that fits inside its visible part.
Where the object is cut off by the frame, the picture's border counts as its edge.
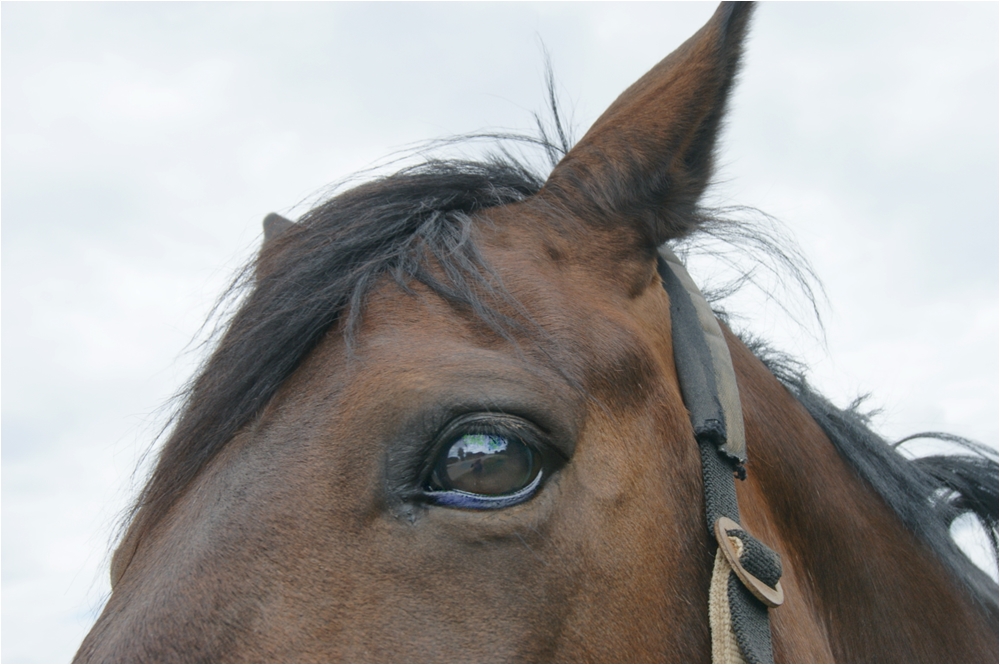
(693, 359)
(704, 365)
(708, 387)
(699, 388)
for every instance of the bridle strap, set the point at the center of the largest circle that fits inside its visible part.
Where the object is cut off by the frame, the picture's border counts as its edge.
(704, 366)
(745, 574)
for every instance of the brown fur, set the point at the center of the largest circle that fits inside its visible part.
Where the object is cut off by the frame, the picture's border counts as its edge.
(292, 545)
(860, 587)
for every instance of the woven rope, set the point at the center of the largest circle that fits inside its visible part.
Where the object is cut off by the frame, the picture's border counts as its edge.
(725, 649)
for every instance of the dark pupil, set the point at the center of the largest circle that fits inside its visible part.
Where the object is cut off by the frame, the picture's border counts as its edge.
(486, 464)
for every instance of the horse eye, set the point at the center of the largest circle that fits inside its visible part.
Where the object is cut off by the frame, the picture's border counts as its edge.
(489, 466)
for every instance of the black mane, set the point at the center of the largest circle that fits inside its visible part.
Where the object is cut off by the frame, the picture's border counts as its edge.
(927, 493)
(314, 278)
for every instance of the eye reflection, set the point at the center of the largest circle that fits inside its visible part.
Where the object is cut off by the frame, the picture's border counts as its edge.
(486, 464)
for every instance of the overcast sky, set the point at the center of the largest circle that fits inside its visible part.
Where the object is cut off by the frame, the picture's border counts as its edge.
(143, 143)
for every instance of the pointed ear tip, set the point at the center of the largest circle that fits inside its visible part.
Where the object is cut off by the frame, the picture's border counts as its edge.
(734, 16)
(274, 225)
(736, 9)
(275, 218)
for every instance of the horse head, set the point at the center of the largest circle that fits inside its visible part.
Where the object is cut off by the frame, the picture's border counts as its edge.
(447, 424)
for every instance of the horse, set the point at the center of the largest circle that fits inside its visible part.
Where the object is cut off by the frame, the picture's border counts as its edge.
(453, 419)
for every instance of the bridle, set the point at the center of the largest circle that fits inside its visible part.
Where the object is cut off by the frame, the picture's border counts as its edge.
(745, 577)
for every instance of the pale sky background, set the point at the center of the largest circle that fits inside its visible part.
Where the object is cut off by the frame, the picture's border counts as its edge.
(143, 143)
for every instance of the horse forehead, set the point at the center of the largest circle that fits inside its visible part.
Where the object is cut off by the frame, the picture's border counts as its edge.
(590, 333)
(576, 279)
(556, 247)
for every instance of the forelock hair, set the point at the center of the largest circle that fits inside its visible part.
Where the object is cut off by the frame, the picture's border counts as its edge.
(416, 225)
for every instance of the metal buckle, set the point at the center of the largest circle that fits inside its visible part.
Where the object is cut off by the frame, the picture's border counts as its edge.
(760, 590)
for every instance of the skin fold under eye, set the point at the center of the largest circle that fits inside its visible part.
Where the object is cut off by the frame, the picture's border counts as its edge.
(491, 467)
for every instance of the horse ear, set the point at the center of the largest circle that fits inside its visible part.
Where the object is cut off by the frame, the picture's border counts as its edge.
(275, 225)
(649, 157)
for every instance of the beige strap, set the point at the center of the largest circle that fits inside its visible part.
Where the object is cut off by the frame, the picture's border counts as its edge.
(725, 649)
